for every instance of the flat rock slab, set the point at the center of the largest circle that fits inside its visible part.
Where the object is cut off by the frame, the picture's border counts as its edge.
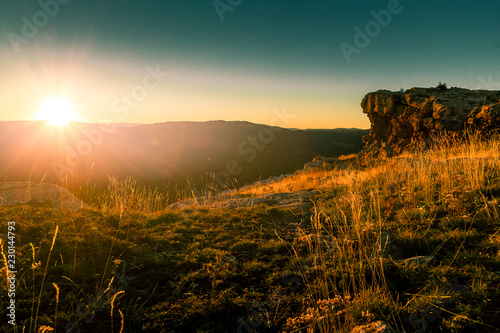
(293, 200)
(38, 195)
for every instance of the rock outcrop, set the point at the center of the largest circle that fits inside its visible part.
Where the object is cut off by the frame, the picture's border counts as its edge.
(297, 201)
(342, 162)
(38, 195)
(410, 119)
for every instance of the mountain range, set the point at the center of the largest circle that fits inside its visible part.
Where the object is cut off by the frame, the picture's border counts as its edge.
(153, 154)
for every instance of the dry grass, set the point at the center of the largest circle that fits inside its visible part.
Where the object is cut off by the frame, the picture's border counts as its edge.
(412, 241)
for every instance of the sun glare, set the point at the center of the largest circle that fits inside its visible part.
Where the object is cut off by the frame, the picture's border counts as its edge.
(57, 111)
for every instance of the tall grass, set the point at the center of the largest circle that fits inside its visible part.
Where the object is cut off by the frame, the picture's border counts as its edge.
(345, 243)
(348, 272)
(45, 275)
(472, 157)
(126, 195)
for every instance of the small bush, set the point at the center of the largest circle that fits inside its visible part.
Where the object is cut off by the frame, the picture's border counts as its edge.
(442, 86)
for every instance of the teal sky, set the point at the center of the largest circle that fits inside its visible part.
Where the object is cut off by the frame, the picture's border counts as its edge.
(238, 59)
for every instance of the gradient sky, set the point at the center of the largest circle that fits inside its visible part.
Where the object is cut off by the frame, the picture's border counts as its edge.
(262, 57)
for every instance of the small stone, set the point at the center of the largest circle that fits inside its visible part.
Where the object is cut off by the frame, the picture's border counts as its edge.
(421, 260)
(231, 258)
(375, 327)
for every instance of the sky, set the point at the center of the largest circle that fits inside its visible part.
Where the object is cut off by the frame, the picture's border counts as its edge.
(170, 60)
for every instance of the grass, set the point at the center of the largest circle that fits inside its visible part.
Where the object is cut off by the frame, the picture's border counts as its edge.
(411, 242)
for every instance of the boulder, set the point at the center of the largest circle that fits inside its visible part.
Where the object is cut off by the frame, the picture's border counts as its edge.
(299, 201)
(420, 260)
(375, 327)
(38, 195)
(313, 165)
(342, 162)
(414, 118)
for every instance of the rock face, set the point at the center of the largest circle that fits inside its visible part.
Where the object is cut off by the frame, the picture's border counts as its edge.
(402, 120)
(38, 195)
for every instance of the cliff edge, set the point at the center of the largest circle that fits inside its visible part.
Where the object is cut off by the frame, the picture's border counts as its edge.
(413, 118)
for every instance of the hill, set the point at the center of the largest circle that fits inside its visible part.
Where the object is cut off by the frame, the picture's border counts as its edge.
(155, 154)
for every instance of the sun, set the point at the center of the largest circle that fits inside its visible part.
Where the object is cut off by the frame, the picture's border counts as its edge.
(56, 111)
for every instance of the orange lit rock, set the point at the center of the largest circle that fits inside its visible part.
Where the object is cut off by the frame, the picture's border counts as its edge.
(413, 118)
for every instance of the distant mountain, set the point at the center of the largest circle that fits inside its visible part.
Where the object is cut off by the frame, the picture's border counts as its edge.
(165, 152)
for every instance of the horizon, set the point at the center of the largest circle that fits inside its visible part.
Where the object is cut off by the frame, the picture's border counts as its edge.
(119, 62)
(45, 122)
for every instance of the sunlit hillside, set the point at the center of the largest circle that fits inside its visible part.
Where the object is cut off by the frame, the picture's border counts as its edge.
(447, 165)
(408, 244)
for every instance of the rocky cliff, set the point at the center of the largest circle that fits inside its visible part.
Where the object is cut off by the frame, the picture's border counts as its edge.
(409, 119)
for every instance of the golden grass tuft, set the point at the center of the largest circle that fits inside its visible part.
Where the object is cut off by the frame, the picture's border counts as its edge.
(45, 273)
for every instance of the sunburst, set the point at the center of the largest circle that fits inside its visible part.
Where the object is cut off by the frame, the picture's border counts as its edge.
(57, 111)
